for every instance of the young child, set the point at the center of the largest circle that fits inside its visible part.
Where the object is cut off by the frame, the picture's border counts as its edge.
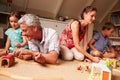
(100, 42)
(14, 34)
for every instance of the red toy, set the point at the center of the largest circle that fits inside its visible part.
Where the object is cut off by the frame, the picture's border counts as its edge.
(7, 60)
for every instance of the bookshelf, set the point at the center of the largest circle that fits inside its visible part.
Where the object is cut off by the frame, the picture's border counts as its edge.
(115, 19)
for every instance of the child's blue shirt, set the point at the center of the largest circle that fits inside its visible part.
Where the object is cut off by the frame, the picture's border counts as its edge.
(15, 36)
(101, 42)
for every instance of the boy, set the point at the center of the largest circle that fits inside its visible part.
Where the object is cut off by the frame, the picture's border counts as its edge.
(100, 41)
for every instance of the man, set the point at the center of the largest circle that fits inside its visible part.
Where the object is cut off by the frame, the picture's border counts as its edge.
(43, 42)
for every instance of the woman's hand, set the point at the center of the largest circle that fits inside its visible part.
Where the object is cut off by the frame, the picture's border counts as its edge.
(96, 59)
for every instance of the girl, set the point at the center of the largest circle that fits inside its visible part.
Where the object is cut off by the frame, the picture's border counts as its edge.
(14, 36)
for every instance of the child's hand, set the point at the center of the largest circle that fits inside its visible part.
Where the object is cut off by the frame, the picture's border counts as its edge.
(18, 45)
(97, 53)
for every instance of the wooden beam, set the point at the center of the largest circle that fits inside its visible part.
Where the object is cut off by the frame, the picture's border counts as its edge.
(58, 6)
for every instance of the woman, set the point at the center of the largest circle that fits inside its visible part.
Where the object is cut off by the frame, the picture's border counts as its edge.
(74, 33)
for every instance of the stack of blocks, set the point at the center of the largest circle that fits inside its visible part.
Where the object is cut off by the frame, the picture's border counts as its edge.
(100, 71)
(7, 60)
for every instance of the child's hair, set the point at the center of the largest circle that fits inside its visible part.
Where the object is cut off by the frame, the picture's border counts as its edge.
(87, 9)
(17, 14)
(108, 26)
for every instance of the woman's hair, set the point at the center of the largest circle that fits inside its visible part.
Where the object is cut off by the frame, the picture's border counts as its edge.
(30, 20)
(108, 26)
(87, 9)
(17, 14)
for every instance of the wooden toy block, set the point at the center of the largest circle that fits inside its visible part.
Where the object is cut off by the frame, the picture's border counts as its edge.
(113, 63)
(7, 60)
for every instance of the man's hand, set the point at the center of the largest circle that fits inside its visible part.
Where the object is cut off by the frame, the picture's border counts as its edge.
(16, 52)
(39, 58)
(20, 53)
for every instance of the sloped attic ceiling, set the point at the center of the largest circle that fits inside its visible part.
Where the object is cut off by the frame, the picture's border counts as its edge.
(70, 8)
(73, 8)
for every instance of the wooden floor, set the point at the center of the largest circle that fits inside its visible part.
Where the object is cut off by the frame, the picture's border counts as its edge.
(63, 70)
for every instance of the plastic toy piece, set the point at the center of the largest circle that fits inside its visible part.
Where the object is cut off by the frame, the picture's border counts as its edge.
(83, 68)
(7, 60)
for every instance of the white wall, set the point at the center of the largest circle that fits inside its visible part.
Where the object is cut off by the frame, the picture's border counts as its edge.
(60, 25)
(57, 25)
